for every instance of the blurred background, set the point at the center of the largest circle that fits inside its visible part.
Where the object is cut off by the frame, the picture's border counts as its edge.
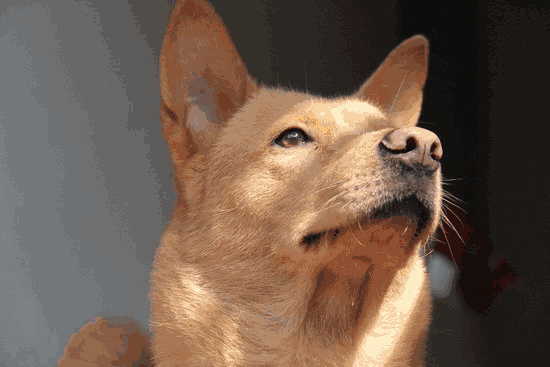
(85, 185)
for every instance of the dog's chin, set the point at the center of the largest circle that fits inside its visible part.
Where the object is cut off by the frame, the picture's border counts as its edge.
(410, 207)
(418, 213)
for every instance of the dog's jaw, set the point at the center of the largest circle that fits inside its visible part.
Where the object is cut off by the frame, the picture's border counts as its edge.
(420, 213)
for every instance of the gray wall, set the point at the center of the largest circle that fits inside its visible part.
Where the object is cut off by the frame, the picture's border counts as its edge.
(84, 174)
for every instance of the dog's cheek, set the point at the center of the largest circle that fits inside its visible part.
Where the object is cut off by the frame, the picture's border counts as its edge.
(256, 193)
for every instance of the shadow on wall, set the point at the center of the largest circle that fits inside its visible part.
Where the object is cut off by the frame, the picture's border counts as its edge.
(84, 175)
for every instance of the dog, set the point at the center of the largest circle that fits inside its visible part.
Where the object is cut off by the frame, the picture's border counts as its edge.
(297, 234)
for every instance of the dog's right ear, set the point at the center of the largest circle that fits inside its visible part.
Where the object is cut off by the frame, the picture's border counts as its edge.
(203, 80)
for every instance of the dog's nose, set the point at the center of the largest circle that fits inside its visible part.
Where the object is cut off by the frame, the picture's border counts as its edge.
(417, 148)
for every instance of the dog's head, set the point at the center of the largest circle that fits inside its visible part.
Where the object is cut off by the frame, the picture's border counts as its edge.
(289, 170)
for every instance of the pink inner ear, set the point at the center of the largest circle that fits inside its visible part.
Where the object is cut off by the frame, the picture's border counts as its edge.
(201, 96)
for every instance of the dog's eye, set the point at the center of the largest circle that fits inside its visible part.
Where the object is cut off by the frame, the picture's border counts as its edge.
(292, 138)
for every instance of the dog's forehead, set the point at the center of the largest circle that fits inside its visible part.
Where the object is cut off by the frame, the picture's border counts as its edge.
(275, 110)
(340, 116)
(345, 113)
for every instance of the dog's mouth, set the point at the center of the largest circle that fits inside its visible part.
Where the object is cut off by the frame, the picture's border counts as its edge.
(411, 207)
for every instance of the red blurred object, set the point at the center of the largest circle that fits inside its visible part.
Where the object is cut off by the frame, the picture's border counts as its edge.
(470, 250)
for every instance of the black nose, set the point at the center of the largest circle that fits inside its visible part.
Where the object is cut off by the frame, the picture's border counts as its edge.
(416, 148)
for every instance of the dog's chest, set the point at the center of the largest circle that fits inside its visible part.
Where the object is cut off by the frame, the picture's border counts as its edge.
(374, 320)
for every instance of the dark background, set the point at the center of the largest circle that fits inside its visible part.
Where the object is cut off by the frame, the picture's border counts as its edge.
(85, 185)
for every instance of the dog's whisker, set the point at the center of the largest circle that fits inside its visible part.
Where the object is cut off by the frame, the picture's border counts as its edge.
(450, 195)
(451, 179)
(445, 200)
(450, 210)
(357, 239)
(336, 197)
(359, 225)
(446, 219)
(454, 203)
(437, 240)
(426, 254)
(452, 226)
(449, 246)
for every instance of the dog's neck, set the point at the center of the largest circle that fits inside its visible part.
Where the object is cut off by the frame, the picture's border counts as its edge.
(337, 307)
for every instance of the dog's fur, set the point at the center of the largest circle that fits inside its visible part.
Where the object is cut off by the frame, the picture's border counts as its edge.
(234, 281)
(107, 342)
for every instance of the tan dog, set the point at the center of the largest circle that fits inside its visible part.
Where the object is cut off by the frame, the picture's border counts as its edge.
(300, 219)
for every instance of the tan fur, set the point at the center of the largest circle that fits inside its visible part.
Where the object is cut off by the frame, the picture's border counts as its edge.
(232, 284)
(107, 342)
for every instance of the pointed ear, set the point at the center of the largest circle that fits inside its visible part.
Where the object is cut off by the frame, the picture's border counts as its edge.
(396, 86)
(203, 80)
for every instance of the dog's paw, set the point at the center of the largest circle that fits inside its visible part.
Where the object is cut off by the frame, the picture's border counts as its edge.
(107, 343)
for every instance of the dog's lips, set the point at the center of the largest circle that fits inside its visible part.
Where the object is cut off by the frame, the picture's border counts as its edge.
(410, 206)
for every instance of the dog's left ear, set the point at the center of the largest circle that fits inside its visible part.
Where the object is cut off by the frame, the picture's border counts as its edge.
(396, 86)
